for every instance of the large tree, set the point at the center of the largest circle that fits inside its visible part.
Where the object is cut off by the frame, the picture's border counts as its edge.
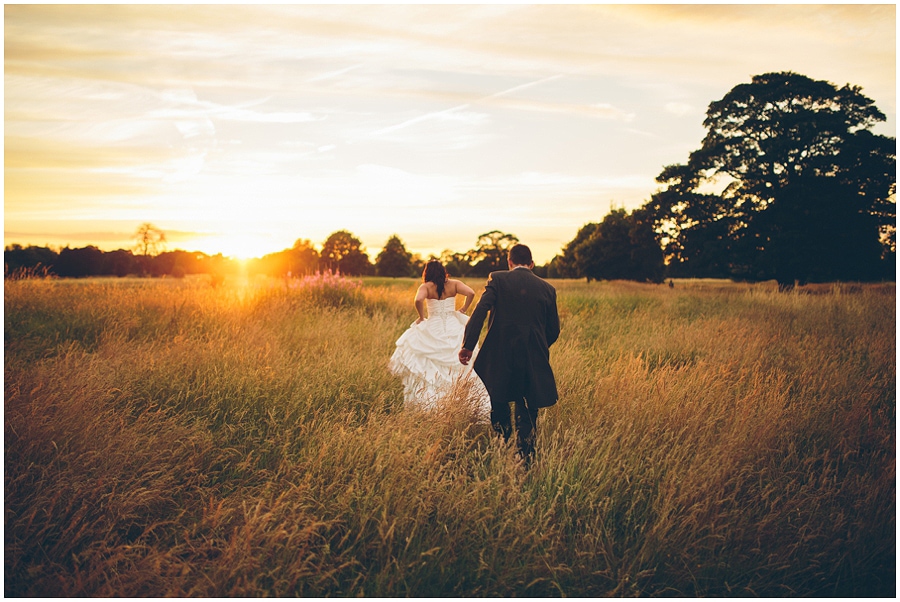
(789, 183)
(621, 247)
(342, 252)
(394, 260)
(78, 263)
(300, 260)
(303, 259)
(566, 264)
(455, 262)
(490, 252)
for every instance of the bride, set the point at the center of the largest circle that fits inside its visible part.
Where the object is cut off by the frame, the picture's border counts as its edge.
(426, 357)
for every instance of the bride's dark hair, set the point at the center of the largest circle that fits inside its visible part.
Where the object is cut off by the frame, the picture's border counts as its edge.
(434, 272)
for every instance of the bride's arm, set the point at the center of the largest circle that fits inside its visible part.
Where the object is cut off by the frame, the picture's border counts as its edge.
(420, 302)
(463, 289)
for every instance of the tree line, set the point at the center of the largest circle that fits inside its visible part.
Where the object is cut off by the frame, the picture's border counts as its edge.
(88, 261)
(344, 253)
(341, 252)
(790, 183)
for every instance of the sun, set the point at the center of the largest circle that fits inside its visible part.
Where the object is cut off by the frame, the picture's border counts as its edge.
(236, 246)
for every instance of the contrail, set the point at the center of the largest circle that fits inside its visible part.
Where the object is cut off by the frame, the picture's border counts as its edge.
(522, 86)
(424, 117)
(427, 116)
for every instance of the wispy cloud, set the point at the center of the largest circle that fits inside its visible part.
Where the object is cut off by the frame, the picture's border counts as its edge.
(678, 108)
(185, 104)
(301, 118)
(334, 74)
(462, 107)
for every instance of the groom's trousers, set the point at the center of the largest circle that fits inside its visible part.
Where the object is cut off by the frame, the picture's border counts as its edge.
(526, 423)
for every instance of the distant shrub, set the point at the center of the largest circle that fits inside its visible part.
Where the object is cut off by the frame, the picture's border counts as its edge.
(329, 289)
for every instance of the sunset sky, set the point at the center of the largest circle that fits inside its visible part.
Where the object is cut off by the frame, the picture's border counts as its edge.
(239, 129)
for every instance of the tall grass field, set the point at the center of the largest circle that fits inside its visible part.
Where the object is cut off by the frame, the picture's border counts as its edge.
(173, 438)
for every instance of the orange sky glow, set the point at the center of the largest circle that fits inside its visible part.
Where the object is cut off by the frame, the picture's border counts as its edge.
(238, 129)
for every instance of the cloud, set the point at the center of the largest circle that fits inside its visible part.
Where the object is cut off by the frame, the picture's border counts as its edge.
(536, 182)
(180, 104)
(679, 109)
(238, 114)
(334, 74)
(32, 153)
(69, 235)
(451, 113)
(322, 113)
(607, 111)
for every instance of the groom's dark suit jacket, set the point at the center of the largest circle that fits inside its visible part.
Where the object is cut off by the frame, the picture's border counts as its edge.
(514, 360)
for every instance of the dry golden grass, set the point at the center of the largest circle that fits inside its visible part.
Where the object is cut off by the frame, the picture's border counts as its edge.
(168, 438)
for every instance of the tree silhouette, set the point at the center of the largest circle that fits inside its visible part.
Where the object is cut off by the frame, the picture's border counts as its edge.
(621, 247)
(91, 261)
(566, 264)
(300, 260)
(394, 260)
(118, 263)
(342, 252)
(456, 262)
(78, 263)
(490, 252)
(302, 257)
(789, 183)
(16, 257)
(149, 240)
(646, 261)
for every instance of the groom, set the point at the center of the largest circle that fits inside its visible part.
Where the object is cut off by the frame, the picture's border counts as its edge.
(514, 360)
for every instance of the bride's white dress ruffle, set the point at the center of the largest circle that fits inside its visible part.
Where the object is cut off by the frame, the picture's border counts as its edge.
(427, 359)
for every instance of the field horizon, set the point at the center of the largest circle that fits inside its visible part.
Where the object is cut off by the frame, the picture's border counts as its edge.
(174, 438)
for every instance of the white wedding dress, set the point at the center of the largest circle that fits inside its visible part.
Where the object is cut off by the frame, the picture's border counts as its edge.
(427, 360)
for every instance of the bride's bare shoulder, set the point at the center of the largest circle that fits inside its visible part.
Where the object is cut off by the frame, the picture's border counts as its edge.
(426, 290)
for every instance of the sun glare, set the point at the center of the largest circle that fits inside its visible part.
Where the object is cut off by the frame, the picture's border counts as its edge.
(238, 246)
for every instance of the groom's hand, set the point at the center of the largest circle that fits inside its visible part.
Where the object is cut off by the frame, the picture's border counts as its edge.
(464, 356)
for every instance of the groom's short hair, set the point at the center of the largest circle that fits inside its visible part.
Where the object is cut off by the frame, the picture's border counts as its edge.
(520, 255)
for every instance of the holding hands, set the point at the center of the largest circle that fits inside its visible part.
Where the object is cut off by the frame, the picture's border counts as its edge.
(464, 356)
